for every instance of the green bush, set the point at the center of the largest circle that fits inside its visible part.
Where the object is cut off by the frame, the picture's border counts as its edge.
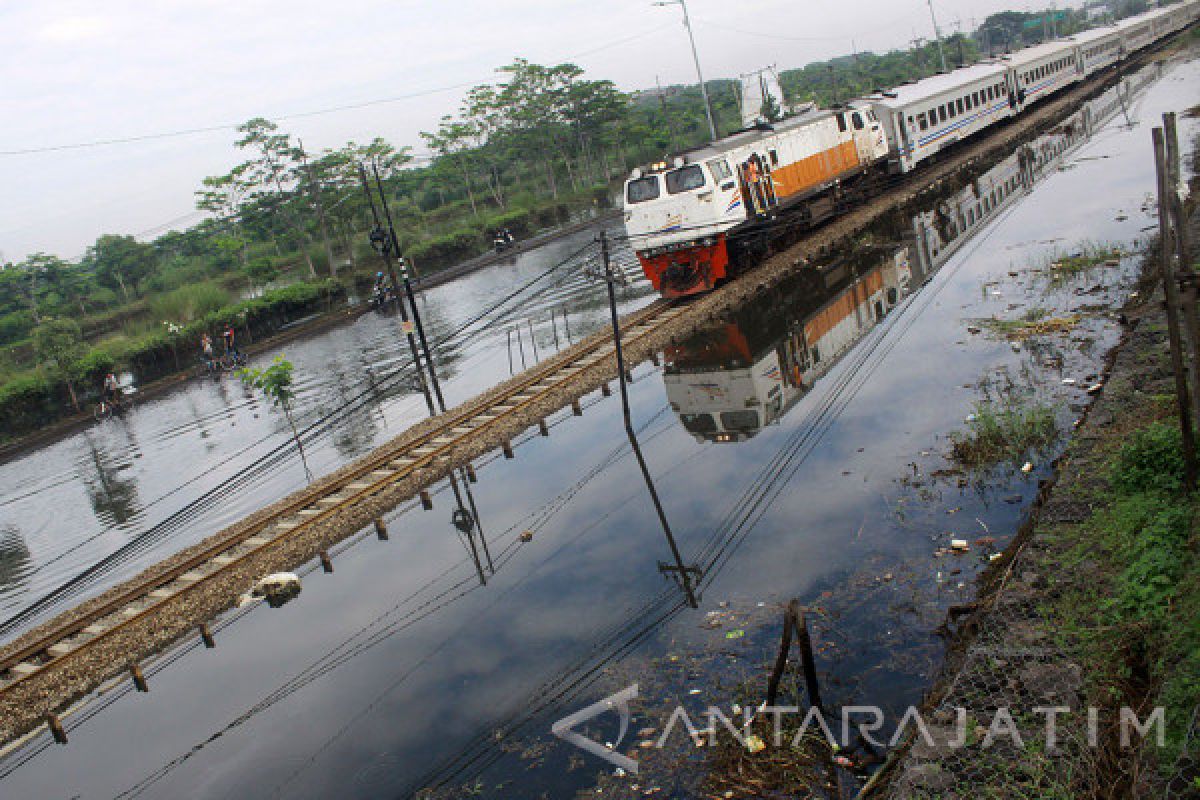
(1152, 461)
(27, 402)
(15, 326)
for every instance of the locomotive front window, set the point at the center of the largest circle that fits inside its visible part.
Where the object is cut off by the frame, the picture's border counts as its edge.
(720, 169)
(740, 420)
(698, 423)
(642, 189)
(685, 179)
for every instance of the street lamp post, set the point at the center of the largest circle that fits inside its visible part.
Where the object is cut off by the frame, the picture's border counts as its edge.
(687, 23)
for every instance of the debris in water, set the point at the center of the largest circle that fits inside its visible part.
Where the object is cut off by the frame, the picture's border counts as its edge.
(735, 634)
(1028, 467)
(995, 556)
(277, 588)
(960, 545)
(755, 744)
(974, 329)
(1068, 381)
(842, 761)
(1095, 388)
(526, 536)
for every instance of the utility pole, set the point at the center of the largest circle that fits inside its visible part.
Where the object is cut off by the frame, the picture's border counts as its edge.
(662, 101)
(685, 573)
(408, 290)
(938, 34)
(687, 23)
(385, 248)
(315, 189)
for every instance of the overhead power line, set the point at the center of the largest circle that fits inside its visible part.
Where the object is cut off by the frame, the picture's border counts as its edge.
(226, 126)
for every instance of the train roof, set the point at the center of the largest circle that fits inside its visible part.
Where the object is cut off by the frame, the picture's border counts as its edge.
(936, 85)
(752, 135)
(1095, 34)
(1037, 52)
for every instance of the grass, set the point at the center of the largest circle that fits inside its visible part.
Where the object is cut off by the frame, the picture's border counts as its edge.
(1034, 322)
(189, 303)
(1007, 432)
(1136, 613)
(1089, 256)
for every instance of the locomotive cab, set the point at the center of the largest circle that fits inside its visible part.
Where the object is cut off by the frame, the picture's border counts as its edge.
(679, 215)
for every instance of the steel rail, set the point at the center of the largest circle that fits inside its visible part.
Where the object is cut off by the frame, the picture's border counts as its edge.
(382, 469)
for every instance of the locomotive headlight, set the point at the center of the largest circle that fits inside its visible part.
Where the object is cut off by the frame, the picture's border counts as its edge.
(680, 161)
(637, 173)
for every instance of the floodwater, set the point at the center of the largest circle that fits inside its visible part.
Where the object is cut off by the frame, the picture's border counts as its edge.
(128, 492)
(799, 450)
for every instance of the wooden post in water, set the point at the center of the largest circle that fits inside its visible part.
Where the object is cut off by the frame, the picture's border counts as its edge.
(536, 358)
(139, 680)
(381, 529)
(326, 562)
(794, 620)
(1166, 254)
(207, 637)
(605, 390)
(576, 409)
(426, 500)
(542, 429)
(471, 473)
(56, 728)
(507, 449)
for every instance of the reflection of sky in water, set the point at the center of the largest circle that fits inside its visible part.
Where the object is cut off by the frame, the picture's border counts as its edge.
(415, 662)
(96, 491)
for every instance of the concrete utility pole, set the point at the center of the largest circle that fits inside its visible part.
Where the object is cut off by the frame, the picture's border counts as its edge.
(687, 23)
(937, 34)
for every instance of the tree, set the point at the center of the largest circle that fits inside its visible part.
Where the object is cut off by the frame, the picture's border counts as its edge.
(120, 262)
(275, 383)
(60, 348)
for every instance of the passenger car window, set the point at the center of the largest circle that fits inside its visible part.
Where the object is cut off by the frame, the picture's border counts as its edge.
(921, 121)
(685, 179)
(642, 189)
(857, 119)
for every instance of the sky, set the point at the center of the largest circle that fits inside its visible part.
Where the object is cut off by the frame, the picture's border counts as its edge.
(75, 73)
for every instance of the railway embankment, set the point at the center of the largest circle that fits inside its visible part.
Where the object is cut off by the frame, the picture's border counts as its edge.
(1094, 608)
(61, 680)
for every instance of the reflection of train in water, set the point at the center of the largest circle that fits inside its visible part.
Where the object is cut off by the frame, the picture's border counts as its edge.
(702, 216)
(729, 382)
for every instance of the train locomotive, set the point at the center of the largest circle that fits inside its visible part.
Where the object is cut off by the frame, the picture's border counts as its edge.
(701, 217)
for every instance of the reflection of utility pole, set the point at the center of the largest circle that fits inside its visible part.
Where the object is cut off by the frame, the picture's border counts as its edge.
(938, 34)
(408, 290)
(466, 521)
(384, 246)
(684, 574)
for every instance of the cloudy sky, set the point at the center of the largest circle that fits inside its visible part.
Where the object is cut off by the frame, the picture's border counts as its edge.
(80, 72)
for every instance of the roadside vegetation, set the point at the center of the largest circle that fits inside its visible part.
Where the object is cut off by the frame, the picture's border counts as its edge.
(1139, 631)
(536, 148)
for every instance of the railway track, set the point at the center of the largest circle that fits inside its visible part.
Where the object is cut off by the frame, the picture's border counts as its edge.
(139, 600)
